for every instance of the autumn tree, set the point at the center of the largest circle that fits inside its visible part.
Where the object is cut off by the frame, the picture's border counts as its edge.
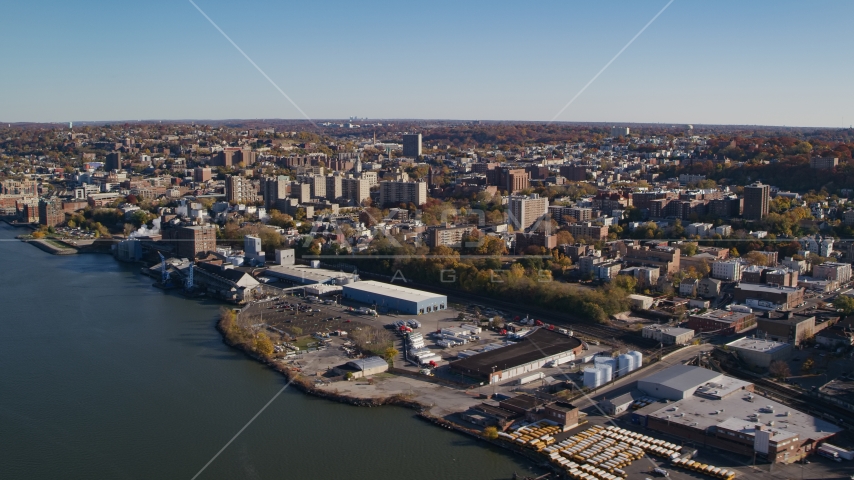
(263, 345)
(756, 258)
(779, 369)
(807, 365)
(390, 353)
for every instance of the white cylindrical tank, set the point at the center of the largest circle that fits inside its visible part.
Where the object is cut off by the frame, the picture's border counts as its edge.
(625, 364)
(638, 358)
(607, 372)
(591, 377)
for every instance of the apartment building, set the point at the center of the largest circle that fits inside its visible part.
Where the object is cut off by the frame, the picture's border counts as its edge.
(239, 189)
(393, 193)
(525, 211)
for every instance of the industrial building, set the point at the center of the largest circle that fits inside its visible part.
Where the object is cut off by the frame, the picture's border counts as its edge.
(714, 410)
(309, 275)
(668, 335)
(768, 297)
(758, 352)
(724, 322)
(640, 302)
(387, 296)
(533, 352)
(677, 382)
(363, 367)
(786, 326)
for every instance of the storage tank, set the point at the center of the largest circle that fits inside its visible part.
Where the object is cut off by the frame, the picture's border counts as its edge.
(638, 358)
(625, 364)
(606, 372)
(591, 377)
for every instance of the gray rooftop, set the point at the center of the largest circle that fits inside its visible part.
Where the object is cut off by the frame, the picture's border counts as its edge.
(758, 345)
(369, 362)
(682, 377)
(304, 274)
(709, 412)
(395, 291)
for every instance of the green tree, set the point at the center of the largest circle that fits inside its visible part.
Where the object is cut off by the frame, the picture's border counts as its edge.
(626, 282)
(844, 303)
(689, 248)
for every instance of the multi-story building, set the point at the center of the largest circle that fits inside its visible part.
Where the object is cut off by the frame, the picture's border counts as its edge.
(202, 174)
(395, 193)
(724, 322)
(699, 229)
(757, 200)
(447, 235)
(838, 272)
(412, 145)
(575, 173)
(239, 189)
(51, 212)
(620, 132)
(665, 258)
(334, 187)
(608, 200)
(514, 180)
(785, 326)
(274, 189)
(357, 190)
(233, 156)
(726, 207)
(588, 230)
(768, 297)
(576, 251)
(525, 211)
(190, 241)
(823, 163)
(317, 184)
(18, 187)
(114, 161)
(534, 239)
(816, 244)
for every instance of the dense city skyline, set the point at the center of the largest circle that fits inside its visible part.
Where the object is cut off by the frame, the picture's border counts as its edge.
(726, 63)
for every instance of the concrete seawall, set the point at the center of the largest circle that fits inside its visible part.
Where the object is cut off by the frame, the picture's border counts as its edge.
(51, 248)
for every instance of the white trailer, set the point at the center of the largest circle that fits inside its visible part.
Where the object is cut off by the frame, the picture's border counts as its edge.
(473, 328)
(531, 378)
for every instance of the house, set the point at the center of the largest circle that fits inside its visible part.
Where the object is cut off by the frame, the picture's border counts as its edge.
(688, 287)
(709, 287)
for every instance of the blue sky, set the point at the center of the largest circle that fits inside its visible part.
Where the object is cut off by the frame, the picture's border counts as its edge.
(701, 61)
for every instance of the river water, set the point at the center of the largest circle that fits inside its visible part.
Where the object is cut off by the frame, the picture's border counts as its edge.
(104, 376)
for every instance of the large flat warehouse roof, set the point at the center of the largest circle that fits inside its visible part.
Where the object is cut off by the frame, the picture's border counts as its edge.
(391, 290)
(304, 274)
(694, 411)
(534, 346)
(682, 377)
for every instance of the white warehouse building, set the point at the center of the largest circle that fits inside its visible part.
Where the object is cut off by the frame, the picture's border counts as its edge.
(387, 296)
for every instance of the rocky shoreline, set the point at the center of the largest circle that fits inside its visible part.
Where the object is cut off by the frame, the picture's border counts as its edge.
(303, 384)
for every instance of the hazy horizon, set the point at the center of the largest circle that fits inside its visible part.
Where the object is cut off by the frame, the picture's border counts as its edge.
(722, 63)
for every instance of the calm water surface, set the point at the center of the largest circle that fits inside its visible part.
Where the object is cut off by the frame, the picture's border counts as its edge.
(104, 376)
